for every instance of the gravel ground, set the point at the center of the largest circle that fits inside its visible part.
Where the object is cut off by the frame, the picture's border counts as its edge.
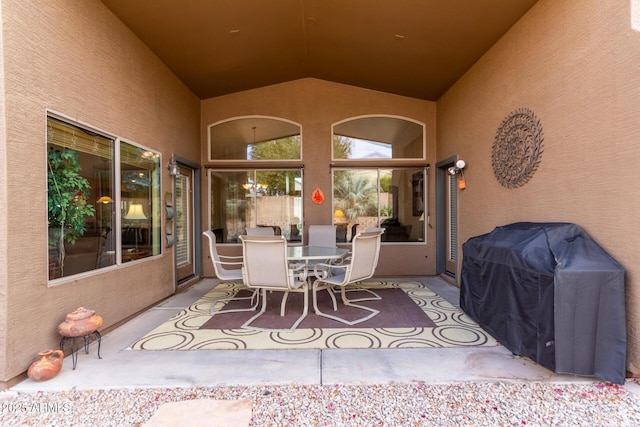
(462, 404)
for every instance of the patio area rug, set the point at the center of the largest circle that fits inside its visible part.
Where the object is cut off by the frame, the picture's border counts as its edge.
(411, 316)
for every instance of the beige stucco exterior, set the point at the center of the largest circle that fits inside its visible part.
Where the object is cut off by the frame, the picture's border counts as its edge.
(316, 105)
(574, 63)
(77, 59)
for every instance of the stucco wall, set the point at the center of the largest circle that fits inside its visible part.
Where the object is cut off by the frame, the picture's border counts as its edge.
(3, 202)
(76, 58)
(575, 64)
(316, 105)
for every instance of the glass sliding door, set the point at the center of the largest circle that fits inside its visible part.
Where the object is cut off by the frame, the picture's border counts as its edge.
(184, 223)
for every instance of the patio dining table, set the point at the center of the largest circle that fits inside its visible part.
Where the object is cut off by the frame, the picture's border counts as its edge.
(308, 253)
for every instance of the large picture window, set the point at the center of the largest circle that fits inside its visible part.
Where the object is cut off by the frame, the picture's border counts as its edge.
(390, 197)
(242, 199)
(393, 199)
(84, 204)
(80, 183)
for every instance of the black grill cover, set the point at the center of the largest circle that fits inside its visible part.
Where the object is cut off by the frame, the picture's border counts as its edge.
(549, 292)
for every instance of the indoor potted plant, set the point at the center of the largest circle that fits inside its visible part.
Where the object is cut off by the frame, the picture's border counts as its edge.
(68, 209)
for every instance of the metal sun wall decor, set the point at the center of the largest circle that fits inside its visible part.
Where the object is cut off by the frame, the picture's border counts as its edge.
(517, 148)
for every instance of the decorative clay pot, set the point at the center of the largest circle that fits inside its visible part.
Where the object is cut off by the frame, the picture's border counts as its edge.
(80, 322)
(47, 366)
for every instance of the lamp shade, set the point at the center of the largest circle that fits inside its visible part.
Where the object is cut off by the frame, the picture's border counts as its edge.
(135, 212)
(105, 200)
(421, 217)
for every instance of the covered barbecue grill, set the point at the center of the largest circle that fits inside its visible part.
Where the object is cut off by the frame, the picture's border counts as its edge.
(549, 292)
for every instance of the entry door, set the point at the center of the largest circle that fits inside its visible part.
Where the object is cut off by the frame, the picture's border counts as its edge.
(451, 230)
(184, 223)
(446, 219)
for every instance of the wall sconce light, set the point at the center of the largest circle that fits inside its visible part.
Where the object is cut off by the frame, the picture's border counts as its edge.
(458, 168)
(173, 167)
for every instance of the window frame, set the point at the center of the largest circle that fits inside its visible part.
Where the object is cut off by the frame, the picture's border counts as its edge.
(255, 170)
(117, 195)
(379, 169)
(158, 201)
(230, 162)
(380, 159)
(380, 164)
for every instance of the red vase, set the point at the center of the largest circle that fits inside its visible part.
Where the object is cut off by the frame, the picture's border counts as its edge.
(80, 322)
(47, 366)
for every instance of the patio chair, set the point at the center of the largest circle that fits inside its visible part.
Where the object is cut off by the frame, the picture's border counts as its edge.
(322, 235)
(261, 231)
(266, 269)
(371, 229)
(362, 265)
(220, 264)
(325, 236)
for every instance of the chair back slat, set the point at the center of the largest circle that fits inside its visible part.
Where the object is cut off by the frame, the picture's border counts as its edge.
(265, 262)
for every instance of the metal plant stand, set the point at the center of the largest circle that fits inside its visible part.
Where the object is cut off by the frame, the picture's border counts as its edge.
(75, 347)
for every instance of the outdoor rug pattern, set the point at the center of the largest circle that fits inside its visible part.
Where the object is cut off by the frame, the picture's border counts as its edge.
(414, 317)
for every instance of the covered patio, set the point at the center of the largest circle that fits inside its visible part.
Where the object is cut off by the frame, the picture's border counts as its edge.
(122, 367)
(566, 61)
(424, 386)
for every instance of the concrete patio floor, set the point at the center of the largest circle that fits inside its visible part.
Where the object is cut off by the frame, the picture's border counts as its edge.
(121, 367)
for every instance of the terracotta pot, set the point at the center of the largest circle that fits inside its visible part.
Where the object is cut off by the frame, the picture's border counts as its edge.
(47, 366)
(79, 322)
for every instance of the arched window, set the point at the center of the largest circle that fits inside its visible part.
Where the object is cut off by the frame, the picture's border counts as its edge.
(378, 137)
(255, 138)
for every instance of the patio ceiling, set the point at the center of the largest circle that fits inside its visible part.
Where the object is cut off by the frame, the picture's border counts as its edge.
(415, 48)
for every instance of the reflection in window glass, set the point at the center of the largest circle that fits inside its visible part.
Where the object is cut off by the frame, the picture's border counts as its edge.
(140, 202)
(389, 198)
(80, 199)
(242, 199)
(378, 137)
(255, 138)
